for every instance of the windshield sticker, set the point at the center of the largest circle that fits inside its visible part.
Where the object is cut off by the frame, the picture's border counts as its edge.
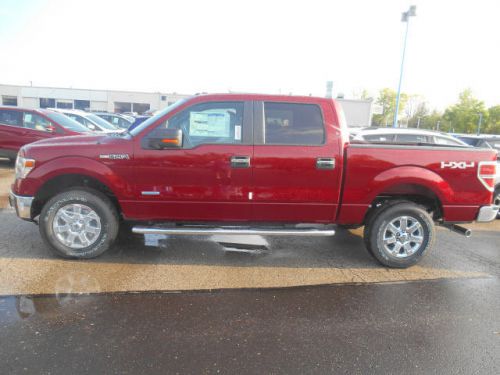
(209, 124)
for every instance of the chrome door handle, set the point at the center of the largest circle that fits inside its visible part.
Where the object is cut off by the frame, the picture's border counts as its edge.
(325, 163)
(240, 162)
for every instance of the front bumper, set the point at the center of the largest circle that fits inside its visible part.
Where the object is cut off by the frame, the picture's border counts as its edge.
(487, 213)
(22, 205)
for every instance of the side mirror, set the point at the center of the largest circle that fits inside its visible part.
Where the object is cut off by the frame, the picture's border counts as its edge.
(160, 139)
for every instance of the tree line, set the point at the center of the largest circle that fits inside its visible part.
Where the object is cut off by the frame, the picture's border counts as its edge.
(461, 117)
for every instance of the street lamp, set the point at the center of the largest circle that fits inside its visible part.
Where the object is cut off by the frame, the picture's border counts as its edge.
(479, 123)
(405, 17)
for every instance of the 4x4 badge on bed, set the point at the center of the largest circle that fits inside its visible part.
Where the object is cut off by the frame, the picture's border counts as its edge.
(457, 164)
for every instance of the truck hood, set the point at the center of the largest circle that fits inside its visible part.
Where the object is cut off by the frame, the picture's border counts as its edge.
(81, 145)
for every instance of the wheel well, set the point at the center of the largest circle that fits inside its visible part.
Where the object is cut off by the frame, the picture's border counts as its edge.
(61, 183)
(408, 193)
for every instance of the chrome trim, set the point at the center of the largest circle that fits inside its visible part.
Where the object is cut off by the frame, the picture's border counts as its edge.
(21, 204)
(325, 163)
(150, 192)
(487, 213)
(241, 231)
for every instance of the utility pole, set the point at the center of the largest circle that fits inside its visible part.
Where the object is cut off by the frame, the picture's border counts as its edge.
(405, 17)
(437, 125)
(418, 122)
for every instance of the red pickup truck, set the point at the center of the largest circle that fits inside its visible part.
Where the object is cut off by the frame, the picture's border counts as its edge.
(249, 164)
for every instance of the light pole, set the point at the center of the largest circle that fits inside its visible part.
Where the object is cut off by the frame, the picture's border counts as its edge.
(479, 123)
(418, 122)
(405, 17)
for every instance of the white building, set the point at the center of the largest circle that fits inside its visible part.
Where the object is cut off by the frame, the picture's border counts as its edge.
(95, 100)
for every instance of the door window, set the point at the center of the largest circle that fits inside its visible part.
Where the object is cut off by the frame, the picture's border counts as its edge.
(37, 122)
(293, 124)
(9, 117)
(208, 123)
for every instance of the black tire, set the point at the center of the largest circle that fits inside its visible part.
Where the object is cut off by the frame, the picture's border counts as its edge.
(496, 199)
(98, 202)
(375, 230)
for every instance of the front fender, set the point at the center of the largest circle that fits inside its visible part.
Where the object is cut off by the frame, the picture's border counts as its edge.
(73, 165)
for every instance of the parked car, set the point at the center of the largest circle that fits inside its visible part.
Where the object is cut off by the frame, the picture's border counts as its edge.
(116, 119)
(406, 136)
(20, 126)
(250, 164)
(138, 120)
(491, 142)
(89, 120)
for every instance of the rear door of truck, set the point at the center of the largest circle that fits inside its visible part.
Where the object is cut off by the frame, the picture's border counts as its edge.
(296, 163)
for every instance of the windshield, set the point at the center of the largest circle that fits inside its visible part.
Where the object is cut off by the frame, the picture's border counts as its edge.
(66, 122)
(153, 119)
(101, 122)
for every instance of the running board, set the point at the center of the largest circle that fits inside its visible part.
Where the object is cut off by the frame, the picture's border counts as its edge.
(190, 231)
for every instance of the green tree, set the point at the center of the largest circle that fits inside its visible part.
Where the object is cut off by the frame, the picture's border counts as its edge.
(464, 115)
(493, 124)
(387, 100)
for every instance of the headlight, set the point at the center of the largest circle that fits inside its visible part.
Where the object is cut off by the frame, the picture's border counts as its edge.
(23, 166)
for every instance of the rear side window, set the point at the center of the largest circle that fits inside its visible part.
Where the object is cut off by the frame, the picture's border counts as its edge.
(293, 124)
(12, 118)
(447, 141)
(379, 138)
(411, 138)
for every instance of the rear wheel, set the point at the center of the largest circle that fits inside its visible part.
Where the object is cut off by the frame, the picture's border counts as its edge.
(80, 223)
(400, 234)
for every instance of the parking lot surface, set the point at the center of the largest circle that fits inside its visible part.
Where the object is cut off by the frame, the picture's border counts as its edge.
(247, 305)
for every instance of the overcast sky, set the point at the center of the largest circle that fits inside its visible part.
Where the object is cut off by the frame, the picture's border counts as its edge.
(267, 46)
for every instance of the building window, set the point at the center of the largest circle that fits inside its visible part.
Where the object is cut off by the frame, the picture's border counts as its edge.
(47, 103)
(163, 98)
(82, 104)
(121, 107)
(9, 100)
(140, 107)
(64, 104)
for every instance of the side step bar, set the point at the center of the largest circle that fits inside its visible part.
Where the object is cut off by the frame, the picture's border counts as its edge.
(193, 231)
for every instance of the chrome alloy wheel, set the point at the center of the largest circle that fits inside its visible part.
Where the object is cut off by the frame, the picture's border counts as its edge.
(76, 226)
(403, 236)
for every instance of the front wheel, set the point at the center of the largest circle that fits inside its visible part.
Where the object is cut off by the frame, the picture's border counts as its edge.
(80, 223)
(399, 235)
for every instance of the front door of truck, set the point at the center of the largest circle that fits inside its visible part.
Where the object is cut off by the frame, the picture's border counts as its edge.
(209, 178)
(296, 164)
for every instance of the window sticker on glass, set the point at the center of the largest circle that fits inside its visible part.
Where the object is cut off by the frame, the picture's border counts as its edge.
(237, 132)
(209, 124)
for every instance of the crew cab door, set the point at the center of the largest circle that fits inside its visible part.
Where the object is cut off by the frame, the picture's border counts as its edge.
(296, 163)
(210, 177)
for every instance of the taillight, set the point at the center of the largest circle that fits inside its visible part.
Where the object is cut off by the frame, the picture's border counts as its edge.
(486, 172)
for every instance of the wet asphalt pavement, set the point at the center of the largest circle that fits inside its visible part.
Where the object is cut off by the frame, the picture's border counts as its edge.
(447, 325)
